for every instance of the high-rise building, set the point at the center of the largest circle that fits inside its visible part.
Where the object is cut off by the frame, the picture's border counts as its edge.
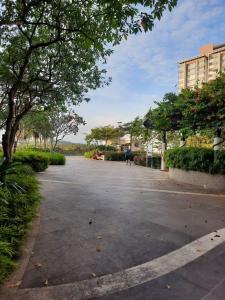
(202, 68)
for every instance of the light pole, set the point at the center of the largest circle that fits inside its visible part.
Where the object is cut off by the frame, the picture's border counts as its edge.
(119, 126)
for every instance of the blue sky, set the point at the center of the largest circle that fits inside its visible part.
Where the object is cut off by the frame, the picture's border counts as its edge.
(144, 67)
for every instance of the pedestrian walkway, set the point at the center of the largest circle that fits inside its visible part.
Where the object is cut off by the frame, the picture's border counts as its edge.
(125, 232)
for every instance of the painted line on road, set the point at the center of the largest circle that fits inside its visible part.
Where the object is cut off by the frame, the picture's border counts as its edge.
(138, 189)
(131, 277)
(124, 177)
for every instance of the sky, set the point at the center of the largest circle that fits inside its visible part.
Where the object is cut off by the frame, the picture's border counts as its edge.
(144, 67)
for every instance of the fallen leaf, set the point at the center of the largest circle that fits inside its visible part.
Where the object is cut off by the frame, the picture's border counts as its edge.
(14, 285)
(46, 282)
(199, 250)
(38, 265)
(98, 249)
(168, 286)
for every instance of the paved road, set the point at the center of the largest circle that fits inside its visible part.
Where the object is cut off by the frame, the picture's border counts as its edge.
(99, 218)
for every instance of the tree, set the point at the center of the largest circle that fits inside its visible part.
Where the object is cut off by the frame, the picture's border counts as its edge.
(39, 124)
(104, 133)
(136, 130)
(205, 106)
(50, 50)
(166, 116)
(62, 124)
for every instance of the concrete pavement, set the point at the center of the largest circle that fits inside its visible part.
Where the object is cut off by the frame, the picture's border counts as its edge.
(100, 218)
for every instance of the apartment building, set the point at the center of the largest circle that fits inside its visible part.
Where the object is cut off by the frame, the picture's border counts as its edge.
(202, 68)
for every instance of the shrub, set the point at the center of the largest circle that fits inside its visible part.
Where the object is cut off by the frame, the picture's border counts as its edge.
(15, 214)
(55, 158)
(196, 159)
(89, 154)
(106, 148)
(119, 156)
(114, 156)
(154, 162)
(39, 161)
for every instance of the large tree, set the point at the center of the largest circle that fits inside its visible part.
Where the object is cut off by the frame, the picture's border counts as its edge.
(50, 50)
(103, 133)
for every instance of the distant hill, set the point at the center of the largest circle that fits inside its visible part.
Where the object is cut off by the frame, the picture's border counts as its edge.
(69, 143)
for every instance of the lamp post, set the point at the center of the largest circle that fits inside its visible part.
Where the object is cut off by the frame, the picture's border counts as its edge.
(119, 126)
(148, 125)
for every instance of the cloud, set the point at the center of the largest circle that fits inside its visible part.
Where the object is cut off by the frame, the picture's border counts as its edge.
(144, 67)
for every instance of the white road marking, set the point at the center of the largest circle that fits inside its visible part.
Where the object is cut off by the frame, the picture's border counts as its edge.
(122, 177)
(130, 188)
(130, 277)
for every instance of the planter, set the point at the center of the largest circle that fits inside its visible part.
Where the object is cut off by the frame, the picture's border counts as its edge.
(208, 181)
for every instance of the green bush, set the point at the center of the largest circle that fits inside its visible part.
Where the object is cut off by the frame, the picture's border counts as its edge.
(154, 162)
(106, 148)
(114, 156)
(119, 156)
(196, 159)
(89, 154)
(16, 211)
(55, 158)
(39, 160)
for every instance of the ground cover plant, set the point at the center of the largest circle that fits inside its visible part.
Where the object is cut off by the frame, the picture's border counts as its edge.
(196, 159)
(19, 197)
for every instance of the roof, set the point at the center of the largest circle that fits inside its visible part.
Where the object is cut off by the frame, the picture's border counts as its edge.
(192, 58)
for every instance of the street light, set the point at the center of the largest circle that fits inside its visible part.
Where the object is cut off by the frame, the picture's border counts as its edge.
(148, 125)
(119, 125)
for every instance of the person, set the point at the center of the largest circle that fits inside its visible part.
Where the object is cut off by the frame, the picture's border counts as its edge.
(128, 155)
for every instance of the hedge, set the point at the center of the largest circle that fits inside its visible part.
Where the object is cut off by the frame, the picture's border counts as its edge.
(154, 162)
(38, 160)
(119, 156)
(196, 159)
(16, 211)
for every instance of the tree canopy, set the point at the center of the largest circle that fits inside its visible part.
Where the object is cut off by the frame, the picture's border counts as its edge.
(52, 51)
(104, 133)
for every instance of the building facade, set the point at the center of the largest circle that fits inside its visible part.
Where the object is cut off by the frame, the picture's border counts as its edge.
(202, 68)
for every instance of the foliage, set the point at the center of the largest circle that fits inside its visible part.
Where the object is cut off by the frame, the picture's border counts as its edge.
(89, 154)
(204, 108)
(118, 156)
(15, 215)
(51, 50)
(138, 133)
(196, 159)
(62, 123)
(104, 133)
(55, 158)
(154, 162)
(39, 160)
(105, 148)
(7, 186)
